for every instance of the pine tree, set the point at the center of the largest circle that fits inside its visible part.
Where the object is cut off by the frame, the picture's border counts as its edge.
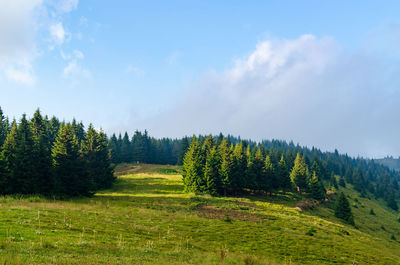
(256, 169)
(126, 149)
(333, 181)
(193, 168)
(42, 174)
(96, 158)
(268, 175)
(342, 183)
(226, 171)
(69, 168)
(211, 172)
(343, 210)
(18, 155)
(239, 167)
(317, 190)
(283, 175)
(184, 145)
(391, 202)
(299, 174)
(3, 128)
(115, 150)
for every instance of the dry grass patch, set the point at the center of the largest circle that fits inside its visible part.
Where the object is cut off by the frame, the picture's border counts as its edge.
(213, 212)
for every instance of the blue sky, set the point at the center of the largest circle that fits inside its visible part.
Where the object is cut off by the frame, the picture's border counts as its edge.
(251, 68)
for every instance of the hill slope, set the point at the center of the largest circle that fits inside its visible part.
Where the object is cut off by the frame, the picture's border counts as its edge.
(147, 219)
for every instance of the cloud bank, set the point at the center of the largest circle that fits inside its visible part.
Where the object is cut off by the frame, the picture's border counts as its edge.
(307, 90)
(20, 44)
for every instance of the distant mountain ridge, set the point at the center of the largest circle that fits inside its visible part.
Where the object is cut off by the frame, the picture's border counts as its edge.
(390, 162)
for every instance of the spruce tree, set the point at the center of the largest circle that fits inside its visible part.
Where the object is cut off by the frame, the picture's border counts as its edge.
(96, 157)
(317, 190)
(391, 202)
(343, 210)
(126, 149)
(300, 174)
(239, 167)
(268, 176)
(283, 175)
(333, 181)
(342, 183)
(212, 167)
(42, 154)
(226, 171)
(256, 170)
(184, 145)
(18, 155)
(69, 167)
(193, 168)
(3, 128)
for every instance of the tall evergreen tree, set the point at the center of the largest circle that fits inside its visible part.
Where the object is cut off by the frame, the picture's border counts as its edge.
(97, 160)
(283, 175)
(226, 169)
(343, 210)
(69, 167)
(239, 167)
(42, 172)
(193, 168)
(300, 174)
(18, 155)
(317, 189)
(183, 149)
(212, 167)
(126, 149)
(3, 128)
(267, 183)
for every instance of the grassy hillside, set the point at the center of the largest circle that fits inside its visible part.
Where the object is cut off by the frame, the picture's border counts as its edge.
(147, 219)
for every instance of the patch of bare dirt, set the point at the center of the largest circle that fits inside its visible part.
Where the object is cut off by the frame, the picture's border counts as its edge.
(223, 214)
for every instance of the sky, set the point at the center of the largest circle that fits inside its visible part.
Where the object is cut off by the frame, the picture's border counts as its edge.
(319, 73)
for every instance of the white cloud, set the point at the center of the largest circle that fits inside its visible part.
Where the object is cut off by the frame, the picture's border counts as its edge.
(307, 90)
(20, 22)
(58, 33)
(17, 39)
(23, 75)
(76, 72)
(67, 5)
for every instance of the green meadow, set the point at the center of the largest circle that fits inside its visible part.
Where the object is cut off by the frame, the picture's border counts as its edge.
(146, 218)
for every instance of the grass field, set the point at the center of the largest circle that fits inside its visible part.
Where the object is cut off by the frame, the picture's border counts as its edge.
(147, 219)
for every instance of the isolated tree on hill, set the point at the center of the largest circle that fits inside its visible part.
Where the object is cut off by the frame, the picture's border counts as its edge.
(211, 172)
(42, 173)
(193, 168)
(317, 189)
(70, 177)
(283, 175)
(343, 210)
(299, 174)
(391, 202)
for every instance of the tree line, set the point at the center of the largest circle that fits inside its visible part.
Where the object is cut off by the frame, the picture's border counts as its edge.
(227, 168)
(219, 165)
(53, 158)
